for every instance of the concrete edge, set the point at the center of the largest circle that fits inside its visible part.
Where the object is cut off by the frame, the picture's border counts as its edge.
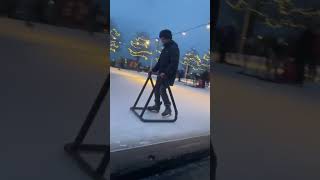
(145, 161)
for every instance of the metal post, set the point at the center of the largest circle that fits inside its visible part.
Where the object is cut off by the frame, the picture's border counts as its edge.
(150, 96)
(75, 148)
(104, 163)
(92, 113)
(144, 86)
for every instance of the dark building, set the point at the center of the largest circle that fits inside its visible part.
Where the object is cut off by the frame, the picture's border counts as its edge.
(258, 35)
(73, 12)
(83, 14)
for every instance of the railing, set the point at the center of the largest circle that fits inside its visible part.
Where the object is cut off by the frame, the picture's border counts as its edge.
(262, 66)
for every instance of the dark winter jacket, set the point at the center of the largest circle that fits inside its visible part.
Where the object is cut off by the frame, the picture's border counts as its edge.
(168, 61)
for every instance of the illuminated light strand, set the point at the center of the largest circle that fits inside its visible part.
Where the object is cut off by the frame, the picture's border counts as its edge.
(114, 42)
(207, 57)
(141, 46)
(185, 31)
(115, 32)
(142, 54)
(135, 45)
(238, 6)
(206, 61)
(140, 41)
(192, 60)
(285, 7)
(146, 43)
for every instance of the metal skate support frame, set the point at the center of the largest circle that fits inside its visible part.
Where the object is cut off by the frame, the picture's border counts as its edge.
(134, 108)
(75, 148)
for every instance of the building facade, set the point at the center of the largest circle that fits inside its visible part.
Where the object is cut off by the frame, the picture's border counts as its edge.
(83, 14)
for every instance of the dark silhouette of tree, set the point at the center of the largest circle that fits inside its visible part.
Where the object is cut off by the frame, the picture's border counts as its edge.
(272, 13)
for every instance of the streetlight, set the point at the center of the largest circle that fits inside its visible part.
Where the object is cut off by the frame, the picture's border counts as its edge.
(208, 26)
(184, 33)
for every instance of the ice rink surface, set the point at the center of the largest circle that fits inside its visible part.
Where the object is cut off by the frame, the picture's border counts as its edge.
(128, 131)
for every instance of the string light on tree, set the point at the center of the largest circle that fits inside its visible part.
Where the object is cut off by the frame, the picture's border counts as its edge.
(115, 40)
(140, 47)
(140, 41)
(205, 62)
(206, 56)
(184, 33)
(143, 54)
(191, 61)
(276, 13)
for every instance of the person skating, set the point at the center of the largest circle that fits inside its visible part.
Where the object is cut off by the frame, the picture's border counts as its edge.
(166, 68)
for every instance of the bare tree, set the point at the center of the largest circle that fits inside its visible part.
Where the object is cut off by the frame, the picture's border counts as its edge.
(273, 13)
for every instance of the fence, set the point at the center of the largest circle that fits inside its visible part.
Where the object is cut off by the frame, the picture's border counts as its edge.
(262, 66)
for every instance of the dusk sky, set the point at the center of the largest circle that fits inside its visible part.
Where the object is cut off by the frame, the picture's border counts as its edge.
(151, 16)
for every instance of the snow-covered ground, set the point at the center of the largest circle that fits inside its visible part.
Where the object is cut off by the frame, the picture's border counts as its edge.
(128, 131)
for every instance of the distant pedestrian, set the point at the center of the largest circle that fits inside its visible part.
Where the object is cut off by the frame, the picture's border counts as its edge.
(30, 11)
(51, 12)
(315, 50)
(205, 78)
(303, 53)
(180, 74)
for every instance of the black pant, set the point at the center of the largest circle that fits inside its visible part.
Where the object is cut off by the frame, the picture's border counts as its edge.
(160, 89)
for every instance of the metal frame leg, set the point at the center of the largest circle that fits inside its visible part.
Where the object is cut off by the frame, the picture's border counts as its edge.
(75, 148)
(140, 116)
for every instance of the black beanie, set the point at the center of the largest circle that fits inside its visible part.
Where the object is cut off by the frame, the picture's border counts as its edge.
(166, 34)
